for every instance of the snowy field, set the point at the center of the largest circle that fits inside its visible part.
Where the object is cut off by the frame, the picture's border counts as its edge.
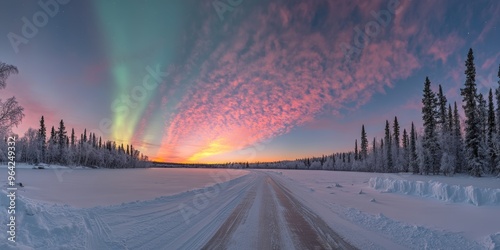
(85, 187)
(61, 208)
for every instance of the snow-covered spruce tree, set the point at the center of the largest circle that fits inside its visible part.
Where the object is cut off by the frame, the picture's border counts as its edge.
(374, 163)
(458, 143)
(448, 160)
(42, 140)
(72, 147)
(364, 144)
(388, 148)
(497, 95)
(492, 133)
(449, 120)
(472, 130)
(356, 150)
(448, 144)
(430, 143)
(483, 150)
(446, 155)
(382, 156)
(406, 152)
(395, 142)
(420, 153)
(496, 143)
(413, 150)
(441, 114)
(61, 134)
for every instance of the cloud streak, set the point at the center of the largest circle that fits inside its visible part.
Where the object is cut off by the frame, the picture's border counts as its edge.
(266, 79)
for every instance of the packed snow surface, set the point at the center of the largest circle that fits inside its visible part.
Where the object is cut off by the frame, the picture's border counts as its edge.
(190, 208)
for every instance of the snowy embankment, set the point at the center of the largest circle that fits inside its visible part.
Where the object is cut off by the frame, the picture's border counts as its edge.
(438, 190)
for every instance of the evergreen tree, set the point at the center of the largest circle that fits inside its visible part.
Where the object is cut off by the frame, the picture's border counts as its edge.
(491, 115)
(94, 141)
(482, 117)
(450, 119)
(497, 95)
(52, 146)
(472, 130)
(413, 150)
(396, 135)
(374, 149)
(388, 148)
(492, 133)
(53, 135)
(382, 155)
(441, 120)
(72, 137)
(42, 137)
(364, 144)
(449, 143)
(458, 141)
(356, 150)
(497, 145)
(406, 152)
(61, 141)
(431, 148)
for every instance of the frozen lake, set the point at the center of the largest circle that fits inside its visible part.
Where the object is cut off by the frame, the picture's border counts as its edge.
(100, 187)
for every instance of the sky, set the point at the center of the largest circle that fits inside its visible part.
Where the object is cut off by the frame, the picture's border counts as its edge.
(240, 80)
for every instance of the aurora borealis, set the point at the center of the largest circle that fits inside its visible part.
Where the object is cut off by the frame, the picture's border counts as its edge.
(270, 81)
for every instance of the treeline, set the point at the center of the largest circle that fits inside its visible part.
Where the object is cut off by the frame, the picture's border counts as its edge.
(60, 148)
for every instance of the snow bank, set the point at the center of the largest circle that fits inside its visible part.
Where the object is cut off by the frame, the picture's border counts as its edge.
(412, 236)
(493, 241)
(38, 224)
(438, 190)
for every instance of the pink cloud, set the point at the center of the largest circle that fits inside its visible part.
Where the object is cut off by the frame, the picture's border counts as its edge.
(489, 62)
(248, 94)
(441, 49)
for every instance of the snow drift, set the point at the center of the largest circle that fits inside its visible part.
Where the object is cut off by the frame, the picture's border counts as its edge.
(438, 190)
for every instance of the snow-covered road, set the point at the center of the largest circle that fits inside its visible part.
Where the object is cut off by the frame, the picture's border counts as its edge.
(270, 217)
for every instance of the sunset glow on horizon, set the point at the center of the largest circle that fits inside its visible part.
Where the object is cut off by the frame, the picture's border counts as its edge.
(272, 80)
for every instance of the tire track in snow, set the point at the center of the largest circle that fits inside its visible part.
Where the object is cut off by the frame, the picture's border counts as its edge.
(310, 231)
(223, 235)
(270, 233)
(297, 223)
